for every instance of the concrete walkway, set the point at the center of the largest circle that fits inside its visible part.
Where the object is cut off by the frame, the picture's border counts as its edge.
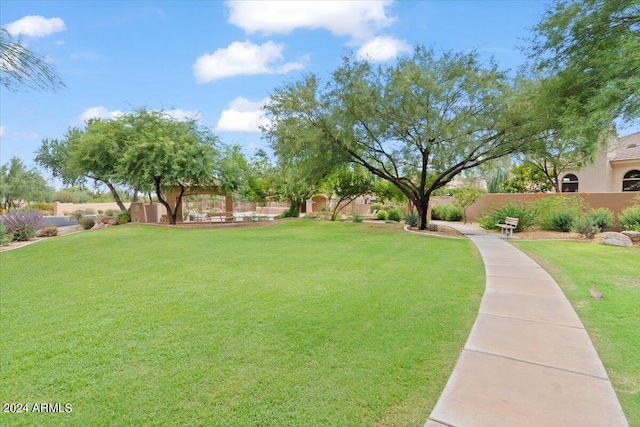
(528, 360)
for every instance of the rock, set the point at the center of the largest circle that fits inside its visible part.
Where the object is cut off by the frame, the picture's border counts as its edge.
(633, 235)
(616, 239)
(109, 220)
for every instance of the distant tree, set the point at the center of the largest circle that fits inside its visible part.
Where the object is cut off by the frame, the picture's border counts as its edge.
(259, 185)
(90, 153)
(167, 155)
(589, 48)
(19, 185)
(21, 68)
(527, 177)
(346, 184)
(416, 124)
(301, 167)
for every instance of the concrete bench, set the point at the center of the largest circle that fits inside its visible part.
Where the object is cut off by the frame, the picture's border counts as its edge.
(508, 225)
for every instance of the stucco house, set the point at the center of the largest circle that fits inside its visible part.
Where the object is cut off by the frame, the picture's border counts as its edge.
(614, 170)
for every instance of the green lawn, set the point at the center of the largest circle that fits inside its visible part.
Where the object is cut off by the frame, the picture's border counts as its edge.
(301, 323)
(613, 323)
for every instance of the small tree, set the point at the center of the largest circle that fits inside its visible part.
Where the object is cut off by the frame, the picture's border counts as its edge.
(347, 184)
(465, 197)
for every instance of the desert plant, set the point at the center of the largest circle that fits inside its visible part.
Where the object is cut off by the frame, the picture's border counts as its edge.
(602, 217)
(100, 211)
(124, 217)
(358, 217)
(630, 218)
(412, 219)
(587, 226)
(23, 224)
(87, 223)
(548, 207)
(5, 237)
(114, 212)
(89, 211)
(496, 181)
(48, 231)
(465, 197)
(526, 215)
(381, 215)
(77, 215)
(447, 213)
(562, 221)
(432, 227)
(394, 215)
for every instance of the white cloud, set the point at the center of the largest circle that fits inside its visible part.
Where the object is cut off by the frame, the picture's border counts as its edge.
(1, 131)
(242, 115)
(180, 114)
(383, 48)
(242, 58)
(35, 26)
(358, 19)
(99, 112)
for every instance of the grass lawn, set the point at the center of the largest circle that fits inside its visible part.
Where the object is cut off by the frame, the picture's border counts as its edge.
(299, 323)
(613, 323)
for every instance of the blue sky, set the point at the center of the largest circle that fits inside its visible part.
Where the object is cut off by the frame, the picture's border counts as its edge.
(219, 61)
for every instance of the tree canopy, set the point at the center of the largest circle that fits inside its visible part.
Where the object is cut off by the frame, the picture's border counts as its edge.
(21, 68)
(20, 185)
(590, 50)
(144, 150)
(416, 124)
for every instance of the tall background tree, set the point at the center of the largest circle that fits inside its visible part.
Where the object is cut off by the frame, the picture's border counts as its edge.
(589, 53)
(416, 124)
(21, 68)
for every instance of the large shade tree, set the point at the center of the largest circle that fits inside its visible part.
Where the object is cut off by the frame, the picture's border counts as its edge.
(416, 124)
(167, 156)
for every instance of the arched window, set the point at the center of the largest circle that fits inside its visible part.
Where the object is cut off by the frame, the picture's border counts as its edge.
(631, 181)
(569, 183)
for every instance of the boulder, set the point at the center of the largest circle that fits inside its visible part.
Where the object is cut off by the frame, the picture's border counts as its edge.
(109, 220)
(633, 235)
(616, 239)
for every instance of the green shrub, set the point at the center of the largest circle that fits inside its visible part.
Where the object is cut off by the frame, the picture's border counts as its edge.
(100, 211)
(357, 217)
(394, 215)
(548, 207)
(77, 215)
(43, 207)
(113, 212)
(87, 223)
(587, 226)
(5, 237)
(124, 217)
(630, 218)
(375, 207)
(526, 215)
(89, 211)
(447, 213)
(602, 217)
(381, 215)
(412, 219)
(562, 221)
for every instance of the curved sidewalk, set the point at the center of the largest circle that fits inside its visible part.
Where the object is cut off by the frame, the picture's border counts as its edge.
(528, 360)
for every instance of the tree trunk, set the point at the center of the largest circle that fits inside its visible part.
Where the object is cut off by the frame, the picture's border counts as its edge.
(422, 206)
(116, 196)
